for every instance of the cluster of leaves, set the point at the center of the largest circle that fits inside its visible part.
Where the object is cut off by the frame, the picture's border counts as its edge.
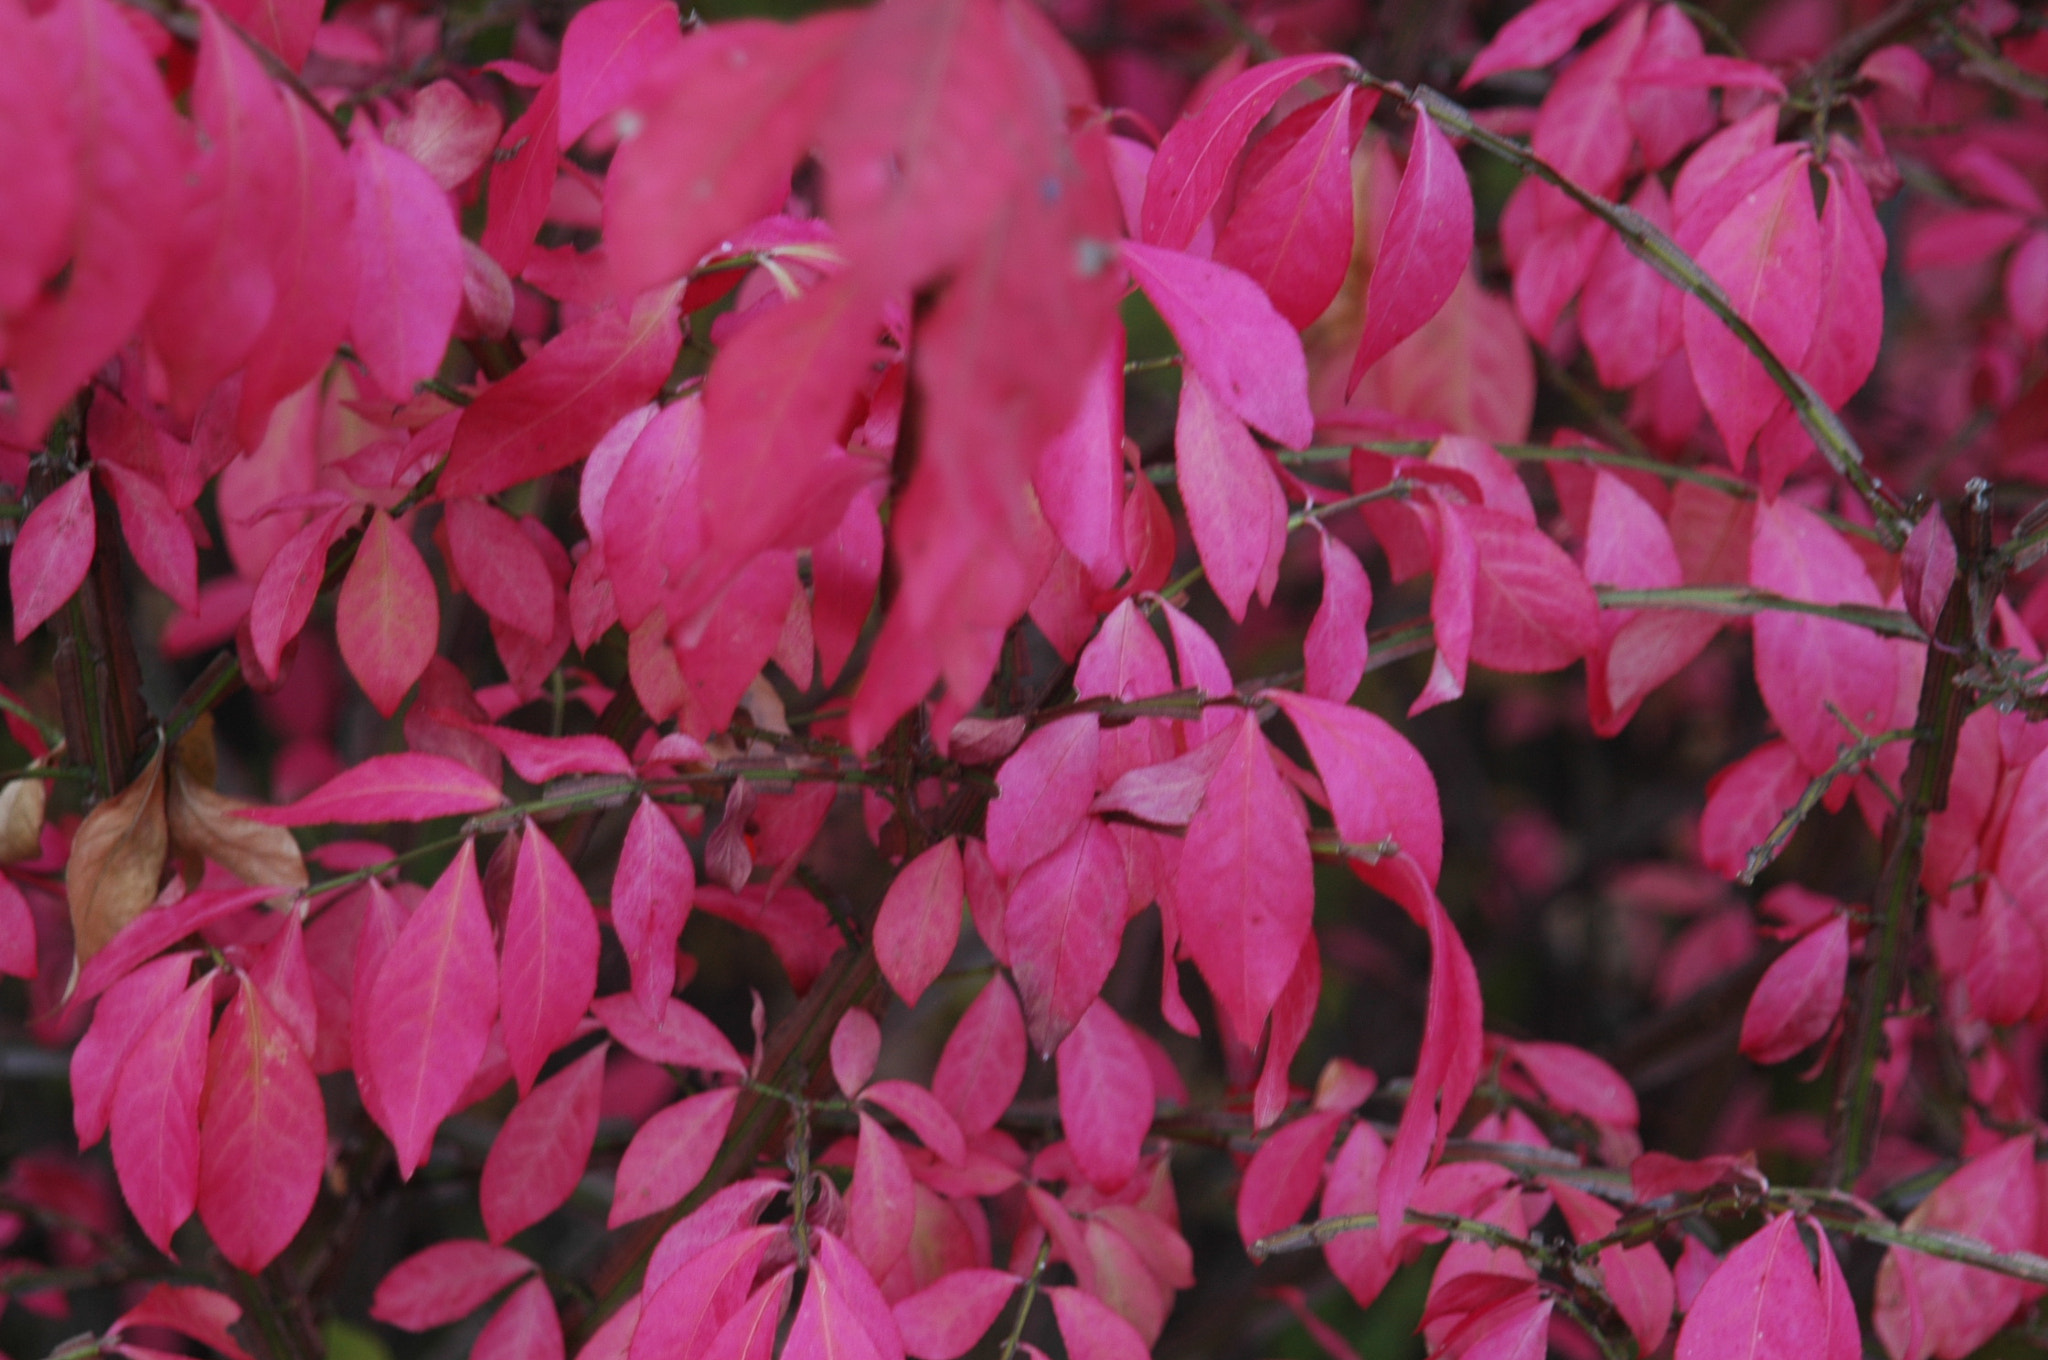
(781, 396)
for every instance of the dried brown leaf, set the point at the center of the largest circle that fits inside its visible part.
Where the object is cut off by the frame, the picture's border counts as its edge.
(21, 819)
(204, 826)
(117, 860)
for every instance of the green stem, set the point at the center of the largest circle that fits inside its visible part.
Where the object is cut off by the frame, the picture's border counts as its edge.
(1024, 1301)
(1744, 600)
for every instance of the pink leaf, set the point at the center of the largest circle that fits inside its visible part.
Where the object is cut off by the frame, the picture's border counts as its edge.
(1799, 996)
(539, 1154)
(721, 123)
(550, 958)
(124, 1014)
(1450, 607)
(191, 1310)
(945, 1319)
(388, 619)
(52, 554)
(431, 1006)
(688, 1307)
(262, 1134)
(1766, 255)
(1063, 924)
(446, 1282)
(155, 1115)
(539, 759)
(921, 1111)
(394, 788)
(18, 959)
(525, 1327)
(751, 1332)
(1379, 786)
(1745, 801)
(670, 1154)
(881, 1203)
(409, 267)
(286, 27)
(1927, 569)
(556, 406)
(1283, 1176)
(35, 146)
(290, 585)
(607, 50)
(1291, 229)
(1106, 1096)
(1336, 646)
(1424, 251)
(1537, 36)
(1235, 507)
(1993, 1198)
(1762, 1303)
(1244, 351)
(1091, 1330)
(126, 171)
(2006, 965)
(651, 894)
(1169, 793)
(1573, 1081)
(982, 1064)
(1042, 792)
(499, 566)
(919, 922)
(149, 933)
(523, 182)
(1195, 159)
(1806, 664)
(1247, 887)
(1531, 607)
(856, 1044)
(682, 1037)
(846, 569)
(1844, 1338)
(157, 534)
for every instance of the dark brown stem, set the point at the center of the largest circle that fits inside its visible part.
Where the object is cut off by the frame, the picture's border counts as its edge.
(1875, 978)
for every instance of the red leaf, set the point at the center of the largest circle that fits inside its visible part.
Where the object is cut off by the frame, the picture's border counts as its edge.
(157, 534)
(1363, 1261)
(982, 1064)
(1168, 793)
(446, 1282)
(1291, 229)
(286, 27)
(1196, 156)
(1249, 357)
(539, 759)
(846, 569)
(607, 50)
(558, 404)
(18, 950)
(394, 788)
(856, 1044)
(128, 155)
(36, 148)
(1105, 1097)
(388, 618)
(1637, 1279)
(262, 1134)
(52, 554)
(1283, 1176)
(155, 1115)
(291, 584)
(720, 125)
(670, 1154)
(2006, 966)
(525, 1327)
(1378, 784)
(688, 1307)
(1235, 508)
(1745, 801)
(192, 1310)
(1799, 996)
(1761, 1304)
(922, 1112)
(523, 183)
(1927, 569)
(651, 894)
(1806, 664)
(409, 268)
(539, 1154)
(1450, 607)
(1043, 792)
(1537, 36)
(945, 1319)
(1091, 1330)
(919, 922)
(682, 1037)
(1247, 889)
(750, 1333)
(499, 566)
(124, 1014)
(158, 927)
(431, 1006)
(1531, 607)
(1766, 255)
(1424, 250)
(1335, 648)
(1573, 1081)
(881, 1203)
(1063, 924)
(1993, 1198)
(550, 960)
